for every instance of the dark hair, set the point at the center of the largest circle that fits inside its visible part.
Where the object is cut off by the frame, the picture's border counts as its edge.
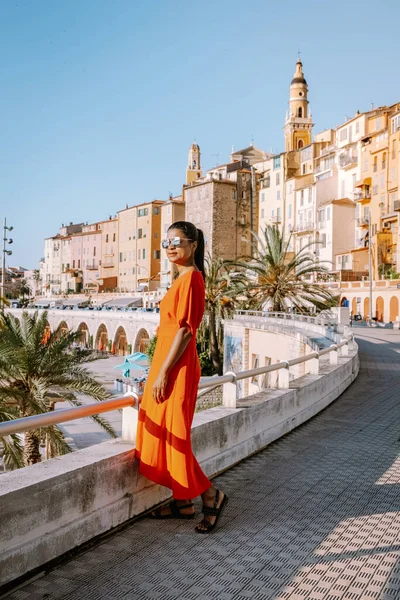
(196, 235)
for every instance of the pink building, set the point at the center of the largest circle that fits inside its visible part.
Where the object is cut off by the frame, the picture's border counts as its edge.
(91, 255)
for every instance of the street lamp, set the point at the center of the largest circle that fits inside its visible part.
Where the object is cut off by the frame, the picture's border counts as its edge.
(370, 266)
(8, 253)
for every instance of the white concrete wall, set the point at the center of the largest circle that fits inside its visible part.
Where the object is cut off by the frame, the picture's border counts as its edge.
(52, 507)
(132, 322)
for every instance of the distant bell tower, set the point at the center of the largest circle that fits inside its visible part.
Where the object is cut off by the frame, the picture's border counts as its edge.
(193, 170)
(298, 124)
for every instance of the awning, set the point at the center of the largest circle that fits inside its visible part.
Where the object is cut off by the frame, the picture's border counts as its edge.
(124, 302)
(362, 182)
(66, 302)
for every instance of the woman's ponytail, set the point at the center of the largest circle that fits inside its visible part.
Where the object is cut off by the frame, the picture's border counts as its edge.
(199, 254)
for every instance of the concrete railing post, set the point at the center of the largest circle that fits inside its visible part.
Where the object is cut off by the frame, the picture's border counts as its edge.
(344, 350)
(230, 392)
(283, 377)
(314, 366)
(129, 421)
(333, 355)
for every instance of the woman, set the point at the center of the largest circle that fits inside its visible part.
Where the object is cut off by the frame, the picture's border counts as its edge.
(163, 444)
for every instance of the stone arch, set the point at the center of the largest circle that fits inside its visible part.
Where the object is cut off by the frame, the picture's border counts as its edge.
(394, 308)
(300, 144)
(142, 341)
(120, 344)
(83, 330)
(61, 329)
(47, 333)
(101, 342)
(354, 306)
(343, 301)
(366, 308)
(380, 305)
(300, 112)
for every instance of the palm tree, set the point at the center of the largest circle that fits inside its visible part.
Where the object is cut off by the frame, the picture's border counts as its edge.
(4, 302)
(219, 305)
(283, 278)
(24, 290)
(37, 369)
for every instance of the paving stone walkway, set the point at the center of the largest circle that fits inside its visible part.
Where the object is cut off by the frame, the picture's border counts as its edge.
(315, 516)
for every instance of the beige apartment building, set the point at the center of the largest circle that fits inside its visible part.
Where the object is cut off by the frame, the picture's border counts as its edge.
(139, 235)
(172, 210)
(109, 254)
(91, 256)
(224, 203)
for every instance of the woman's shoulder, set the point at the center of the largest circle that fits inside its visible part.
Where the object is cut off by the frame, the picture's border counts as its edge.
(195, 274)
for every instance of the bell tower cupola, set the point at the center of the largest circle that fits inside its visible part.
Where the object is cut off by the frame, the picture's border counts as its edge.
(298, 124)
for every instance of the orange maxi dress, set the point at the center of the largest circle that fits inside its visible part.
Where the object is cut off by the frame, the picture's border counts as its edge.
(163, 444)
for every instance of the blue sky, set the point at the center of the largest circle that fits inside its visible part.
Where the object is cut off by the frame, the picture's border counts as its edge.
(101, 99)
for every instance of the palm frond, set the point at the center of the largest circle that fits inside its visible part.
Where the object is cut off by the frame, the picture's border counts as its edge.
(35, 369)
(12, 452)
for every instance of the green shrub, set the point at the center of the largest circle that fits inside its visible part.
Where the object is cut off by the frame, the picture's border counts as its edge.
(150, 348)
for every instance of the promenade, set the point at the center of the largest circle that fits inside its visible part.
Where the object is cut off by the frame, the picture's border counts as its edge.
(315, 516)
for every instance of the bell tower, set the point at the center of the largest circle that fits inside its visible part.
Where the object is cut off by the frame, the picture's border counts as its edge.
(298, 124)
(193, 170)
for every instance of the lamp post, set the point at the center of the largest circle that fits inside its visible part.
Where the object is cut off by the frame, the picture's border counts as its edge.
(370, 266)
(8, 252)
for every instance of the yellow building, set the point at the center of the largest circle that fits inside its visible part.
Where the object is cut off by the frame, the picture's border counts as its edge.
(139, 229)
(393, 182)
(378, 217)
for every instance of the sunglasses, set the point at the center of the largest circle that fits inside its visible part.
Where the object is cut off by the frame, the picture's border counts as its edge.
(175, 242)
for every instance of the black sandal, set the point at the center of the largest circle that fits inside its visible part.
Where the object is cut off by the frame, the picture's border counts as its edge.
(212, 512)
(175, 511)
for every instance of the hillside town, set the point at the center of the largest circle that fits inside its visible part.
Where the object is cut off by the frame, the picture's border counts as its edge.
(336, 189)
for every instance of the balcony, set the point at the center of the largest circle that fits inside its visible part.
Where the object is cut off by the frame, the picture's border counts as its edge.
(328, 150)
(276, 220)
(323, 168)
(304, 227)
(108, 265)
(265, 183)
(362, 222)
(347, 160)
(74, 271)
(396, 205)
(92, 267)
(362, 195)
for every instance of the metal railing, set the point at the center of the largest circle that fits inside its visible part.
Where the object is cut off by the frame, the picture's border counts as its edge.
(304, 227)
(361, 196)
(321, 319)
(65, 414)
(206, 384)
